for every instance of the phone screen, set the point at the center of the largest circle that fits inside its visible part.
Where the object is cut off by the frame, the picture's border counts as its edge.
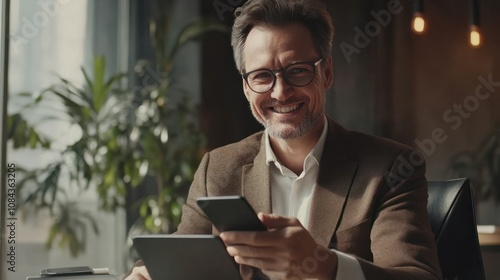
(230, 213)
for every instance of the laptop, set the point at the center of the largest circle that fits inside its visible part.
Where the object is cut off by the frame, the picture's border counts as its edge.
(194, 257)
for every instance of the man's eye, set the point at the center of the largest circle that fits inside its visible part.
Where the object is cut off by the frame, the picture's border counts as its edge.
(261, 76)
(299, 71)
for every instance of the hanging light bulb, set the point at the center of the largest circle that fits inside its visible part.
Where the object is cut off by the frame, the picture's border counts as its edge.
(474, 35)
(418, 23)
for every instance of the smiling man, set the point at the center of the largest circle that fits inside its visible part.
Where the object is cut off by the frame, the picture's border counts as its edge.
(338, 204)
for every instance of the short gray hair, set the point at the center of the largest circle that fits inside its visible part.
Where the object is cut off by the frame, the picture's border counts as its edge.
(311, 13)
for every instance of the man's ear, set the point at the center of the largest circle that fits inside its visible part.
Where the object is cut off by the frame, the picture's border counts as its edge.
(328, 72)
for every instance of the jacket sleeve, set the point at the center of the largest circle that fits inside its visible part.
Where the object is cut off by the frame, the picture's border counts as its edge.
(402, 242)
(193, 220)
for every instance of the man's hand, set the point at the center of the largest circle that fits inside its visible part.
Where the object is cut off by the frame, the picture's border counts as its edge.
(286, 251)
(139, 273)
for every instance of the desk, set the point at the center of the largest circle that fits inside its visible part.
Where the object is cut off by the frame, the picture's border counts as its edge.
(490, 251)
(490, 239)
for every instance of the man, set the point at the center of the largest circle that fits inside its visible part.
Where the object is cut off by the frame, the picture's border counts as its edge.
(345, 205)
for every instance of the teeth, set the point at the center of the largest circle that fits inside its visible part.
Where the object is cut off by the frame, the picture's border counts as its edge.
(286, 109)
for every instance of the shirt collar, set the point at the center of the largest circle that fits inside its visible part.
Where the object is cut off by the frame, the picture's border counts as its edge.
(315, 153)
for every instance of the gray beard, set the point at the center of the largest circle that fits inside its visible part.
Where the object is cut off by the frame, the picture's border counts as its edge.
(304, 127)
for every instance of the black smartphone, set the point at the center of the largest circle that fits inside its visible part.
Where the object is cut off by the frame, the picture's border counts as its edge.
(230, 213)
(67, 271)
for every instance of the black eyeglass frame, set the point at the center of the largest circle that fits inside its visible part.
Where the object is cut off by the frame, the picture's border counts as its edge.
(285, 77)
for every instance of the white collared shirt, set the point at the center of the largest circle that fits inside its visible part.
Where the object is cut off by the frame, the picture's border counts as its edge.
(292, 196)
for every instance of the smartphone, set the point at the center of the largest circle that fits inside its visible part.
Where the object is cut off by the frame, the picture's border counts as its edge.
(67, 271)
(230, 213)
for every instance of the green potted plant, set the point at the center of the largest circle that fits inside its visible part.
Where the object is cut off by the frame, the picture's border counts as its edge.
(96, 109)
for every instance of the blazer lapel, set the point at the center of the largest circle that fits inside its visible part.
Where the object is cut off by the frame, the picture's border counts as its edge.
(256, 189)
(255, 182)
(335, 177)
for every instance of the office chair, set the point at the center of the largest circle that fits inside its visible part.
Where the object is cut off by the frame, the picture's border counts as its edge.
(451, 211)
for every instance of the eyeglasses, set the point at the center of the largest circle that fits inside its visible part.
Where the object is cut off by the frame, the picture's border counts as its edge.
(298, 75)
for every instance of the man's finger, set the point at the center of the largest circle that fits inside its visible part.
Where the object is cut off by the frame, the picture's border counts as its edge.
(273, 221)
(265, 264)
(252, 238)
(255, 252)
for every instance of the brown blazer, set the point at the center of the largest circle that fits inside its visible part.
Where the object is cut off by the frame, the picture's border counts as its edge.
(370, 201)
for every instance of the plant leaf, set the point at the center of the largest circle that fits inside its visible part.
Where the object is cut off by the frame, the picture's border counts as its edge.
(194, 31)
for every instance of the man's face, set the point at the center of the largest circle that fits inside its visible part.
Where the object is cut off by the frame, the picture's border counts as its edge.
(287, 112)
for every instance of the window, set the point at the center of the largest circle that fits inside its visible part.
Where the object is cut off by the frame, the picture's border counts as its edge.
(51, 39)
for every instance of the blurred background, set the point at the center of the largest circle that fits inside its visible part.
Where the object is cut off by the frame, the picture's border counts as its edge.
(112, 103)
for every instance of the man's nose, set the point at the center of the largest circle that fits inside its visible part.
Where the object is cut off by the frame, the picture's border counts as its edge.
(281, 89)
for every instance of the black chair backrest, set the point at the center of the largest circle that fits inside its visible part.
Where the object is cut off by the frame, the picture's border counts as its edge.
(451, 211)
